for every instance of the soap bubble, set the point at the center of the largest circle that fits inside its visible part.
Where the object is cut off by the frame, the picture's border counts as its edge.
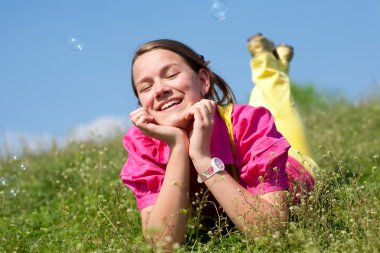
(4, 181)
(218, 10)
(17, 164)
(13, 192)
(75, 43)
(23, 167)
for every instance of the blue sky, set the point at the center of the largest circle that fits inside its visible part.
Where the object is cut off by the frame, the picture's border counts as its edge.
(47, 89)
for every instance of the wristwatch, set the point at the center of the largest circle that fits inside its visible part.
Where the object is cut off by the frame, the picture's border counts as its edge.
(217, 165)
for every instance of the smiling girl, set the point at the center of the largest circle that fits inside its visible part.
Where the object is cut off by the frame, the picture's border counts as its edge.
(182, 143)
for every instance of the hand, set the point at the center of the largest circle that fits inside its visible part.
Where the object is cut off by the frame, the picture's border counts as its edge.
(147, 125)
(200, 137)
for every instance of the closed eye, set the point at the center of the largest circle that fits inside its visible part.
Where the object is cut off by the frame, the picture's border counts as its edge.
(172, 75)
(145, 88)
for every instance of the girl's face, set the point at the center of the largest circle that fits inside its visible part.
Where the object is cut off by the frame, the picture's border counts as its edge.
(167, 87)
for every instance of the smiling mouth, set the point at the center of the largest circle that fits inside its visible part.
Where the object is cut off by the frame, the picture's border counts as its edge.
(170, 104)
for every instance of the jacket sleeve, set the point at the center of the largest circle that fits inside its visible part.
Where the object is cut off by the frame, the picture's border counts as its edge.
(261, 152)
(144, 170)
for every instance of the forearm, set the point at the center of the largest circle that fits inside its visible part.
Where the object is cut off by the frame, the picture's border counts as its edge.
(252, 214)
(167, 219)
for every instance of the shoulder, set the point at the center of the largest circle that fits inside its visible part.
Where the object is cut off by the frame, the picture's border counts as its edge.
(243, 110)
(247, 115)
(254, 129)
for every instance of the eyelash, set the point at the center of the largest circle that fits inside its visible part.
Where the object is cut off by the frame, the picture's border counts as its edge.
(148, 86)
(145, 88)
(172, 75)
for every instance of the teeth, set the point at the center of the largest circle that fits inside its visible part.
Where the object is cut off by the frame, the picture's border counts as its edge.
(170, 103)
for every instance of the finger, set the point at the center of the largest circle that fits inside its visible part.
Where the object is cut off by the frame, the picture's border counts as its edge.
(210, 105)
(202, 117)
(202, 111)
(136, 114)
(189, 114)
(207, 114)
(205, 108)
(137, 111)
(141, 117)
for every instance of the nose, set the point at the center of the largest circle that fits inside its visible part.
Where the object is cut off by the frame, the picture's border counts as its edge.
(161, 89)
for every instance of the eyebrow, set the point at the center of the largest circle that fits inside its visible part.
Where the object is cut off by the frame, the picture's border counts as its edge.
(162, 70)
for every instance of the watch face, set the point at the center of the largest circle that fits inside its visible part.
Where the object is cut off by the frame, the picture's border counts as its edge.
(219, 163)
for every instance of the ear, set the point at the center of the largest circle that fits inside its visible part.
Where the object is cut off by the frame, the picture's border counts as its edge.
(205, 77)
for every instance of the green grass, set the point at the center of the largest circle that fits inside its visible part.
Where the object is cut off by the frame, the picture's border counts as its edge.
(72, 200)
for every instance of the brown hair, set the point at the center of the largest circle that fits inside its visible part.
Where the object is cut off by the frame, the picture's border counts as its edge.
(196, 62)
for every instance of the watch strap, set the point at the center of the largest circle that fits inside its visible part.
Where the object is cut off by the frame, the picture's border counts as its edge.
(216, 166)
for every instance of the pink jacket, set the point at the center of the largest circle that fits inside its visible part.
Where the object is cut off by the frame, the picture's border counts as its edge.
(260, 155)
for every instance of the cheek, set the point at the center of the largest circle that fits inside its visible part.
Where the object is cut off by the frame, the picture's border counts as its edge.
(196, 97)
(192, 89)
(196, 92)
(144, 100)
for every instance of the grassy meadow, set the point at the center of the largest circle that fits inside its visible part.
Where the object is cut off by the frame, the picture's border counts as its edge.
(72, 200)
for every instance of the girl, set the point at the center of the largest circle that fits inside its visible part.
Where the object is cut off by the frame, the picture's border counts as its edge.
(182, 142)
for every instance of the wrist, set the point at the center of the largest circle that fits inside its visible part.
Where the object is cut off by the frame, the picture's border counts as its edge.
(180, 140)
(201, 163)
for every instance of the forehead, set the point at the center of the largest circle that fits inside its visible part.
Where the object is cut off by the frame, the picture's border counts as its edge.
(156, 59)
